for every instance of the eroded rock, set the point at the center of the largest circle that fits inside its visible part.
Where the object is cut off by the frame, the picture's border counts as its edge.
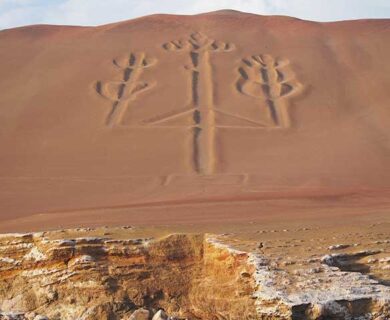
(188, 276)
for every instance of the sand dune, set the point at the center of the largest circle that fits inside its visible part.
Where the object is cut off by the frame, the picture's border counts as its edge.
(196, 111)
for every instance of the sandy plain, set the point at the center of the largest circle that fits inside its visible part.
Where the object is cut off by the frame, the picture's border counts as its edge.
(210, 120)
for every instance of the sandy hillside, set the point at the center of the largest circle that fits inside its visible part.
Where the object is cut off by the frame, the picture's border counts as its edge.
(211, 118)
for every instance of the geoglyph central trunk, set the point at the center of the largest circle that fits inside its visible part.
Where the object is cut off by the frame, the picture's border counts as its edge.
(200, 47)
(204, 136)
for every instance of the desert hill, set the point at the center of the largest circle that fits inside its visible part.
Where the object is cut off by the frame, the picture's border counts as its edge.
(222, 116)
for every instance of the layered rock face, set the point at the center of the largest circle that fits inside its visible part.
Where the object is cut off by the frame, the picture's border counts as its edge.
(189, 276)
(95, 278)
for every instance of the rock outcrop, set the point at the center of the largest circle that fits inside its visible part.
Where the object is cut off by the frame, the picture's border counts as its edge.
(97, 278)
(182, 276)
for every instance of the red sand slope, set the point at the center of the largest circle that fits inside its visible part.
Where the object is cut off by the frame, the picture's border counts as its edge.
(193, 116)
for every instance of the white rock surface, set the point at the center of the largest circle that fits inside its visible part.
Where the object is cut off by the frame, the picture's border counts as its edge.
(160, 315)
(140, 314)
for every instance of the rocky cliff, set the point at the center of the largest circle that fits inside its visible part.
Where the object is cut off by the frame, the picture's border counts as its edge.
(189, 276)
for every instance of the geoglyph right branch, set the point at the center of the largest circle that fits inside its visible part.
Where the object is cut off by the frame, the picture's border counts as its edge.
(267, 78)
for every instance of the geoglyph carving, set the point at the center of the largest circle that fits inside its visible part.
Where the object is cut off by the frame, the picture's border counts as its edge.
(267, 79)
